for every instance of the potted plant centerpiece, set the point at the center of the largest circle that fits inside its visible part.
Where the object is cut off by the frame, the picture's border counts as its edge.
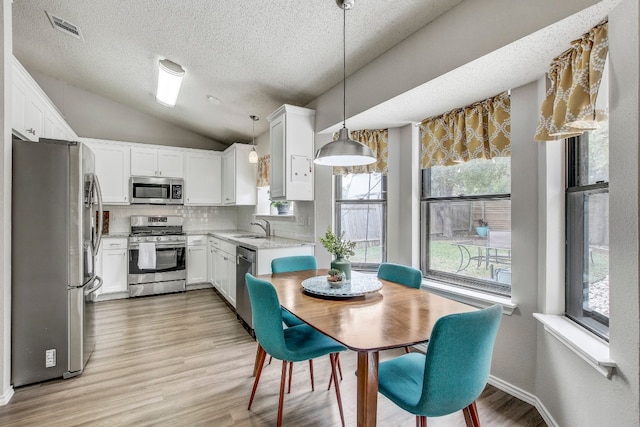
(281, 205)
(335, 278)
(483, 227)
(342, 249)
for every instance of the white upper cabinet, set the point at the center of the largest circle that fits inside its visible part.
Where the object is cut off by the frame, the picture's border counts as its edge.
(291, 132)
(157, 162)
(33, 115)
(238, 176)
(112, 167)
(203, 178)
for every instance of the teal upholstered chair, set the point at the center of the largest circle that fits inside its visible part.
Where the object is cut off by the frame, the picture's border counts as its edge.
(293, 263)
(297, 263)
(403, 274)
(293, 344)
(453, 372)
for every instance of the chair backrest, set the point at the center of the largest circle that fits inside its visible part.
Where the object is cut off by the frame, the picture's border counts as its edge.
(405, 275)
(458, 360)
(294, 263)
(267, 316)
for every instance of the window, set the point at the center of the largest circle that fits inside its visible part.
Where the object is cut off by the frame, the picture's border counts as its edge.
(466, 224)
(587, 225)
(361, 213)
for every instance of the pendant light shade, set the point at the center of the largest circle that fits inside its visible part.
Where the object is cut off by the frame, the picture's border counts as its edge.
(253, 154)
(344, 151)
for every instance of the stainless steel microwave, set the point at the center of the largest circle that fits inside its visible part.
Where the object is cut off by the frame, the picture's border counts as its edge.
(156, 191)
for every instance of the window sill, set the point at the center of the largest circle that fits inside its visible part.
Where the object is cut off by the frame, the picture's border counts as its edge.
(468, 296)
(284, 217)
(588, 347)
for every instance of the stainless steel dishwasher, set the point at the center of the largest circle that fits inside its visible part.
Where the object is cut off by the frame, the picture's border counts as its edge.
(245, 263)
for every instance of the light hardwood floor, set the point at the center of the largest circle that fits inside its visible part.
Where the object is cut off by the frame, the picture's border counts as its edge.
(184, 360)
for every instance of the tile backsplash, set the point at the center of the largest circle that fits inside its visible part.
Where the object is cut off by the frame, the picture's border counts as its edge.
(196, 218)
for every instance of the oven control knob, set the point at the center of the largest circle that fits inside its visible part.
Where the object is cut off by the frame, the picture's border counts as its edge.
(158, 239)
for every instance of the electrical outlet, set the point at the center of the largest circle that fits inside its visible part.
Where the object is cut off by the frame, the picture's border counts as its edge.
(50, 358)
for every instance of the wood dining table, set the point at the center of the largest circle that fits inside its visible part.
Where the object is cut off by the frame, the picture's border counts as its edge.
(395, 316)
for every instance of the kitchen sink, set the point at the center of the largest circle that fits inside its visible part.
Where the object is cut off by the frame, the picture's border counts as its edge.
(248, 236)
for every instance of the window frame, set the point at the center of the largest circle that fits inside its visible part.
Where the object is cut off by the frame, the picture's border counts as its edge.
(480, 285)
(339, 201)
(576, 166)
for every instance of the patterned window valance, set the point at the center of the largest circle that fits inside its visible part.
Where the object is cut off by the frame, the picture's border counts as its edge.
(574, 79)
(263, 170)
(378, 141)
(478, 131)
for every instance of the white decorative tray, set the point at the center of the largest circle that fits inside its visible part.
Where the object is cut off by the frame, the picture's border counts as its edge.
(359, 285)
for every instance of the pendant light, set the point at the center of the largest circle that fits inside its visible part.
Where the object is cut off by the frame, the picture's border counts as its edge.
(344, 151)
(253, 155)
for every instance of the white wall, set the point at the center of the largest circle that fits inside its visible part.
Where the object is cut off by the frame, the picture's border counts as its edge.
(5, 202)
(527, 360)
(467, 32)
(573, 392)
(94, 116)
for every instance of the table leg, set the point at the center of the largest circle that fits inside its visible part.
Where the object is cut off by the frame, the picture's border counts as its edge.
(367, 388)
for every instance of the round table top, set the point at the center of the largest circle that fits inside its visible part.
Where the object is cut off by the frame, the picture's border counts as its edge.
(359, 285)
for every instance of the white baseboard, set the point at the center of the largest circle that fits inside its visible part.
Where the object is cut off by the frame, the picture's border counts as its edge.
(6, 396)
(525, 396)
(199, 286)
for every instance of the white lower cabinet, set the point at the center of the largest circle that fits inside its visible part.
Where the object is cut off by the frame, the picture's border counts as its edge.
(223, 260)
(112, 268)
(197, 260)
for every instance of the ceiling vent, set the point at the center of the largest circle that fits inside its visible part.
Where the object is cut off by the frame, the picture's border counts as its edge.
(65, 26)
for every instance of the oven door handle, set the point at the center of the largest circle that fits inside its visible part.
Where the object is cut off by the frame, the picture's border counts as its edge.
(135, 246)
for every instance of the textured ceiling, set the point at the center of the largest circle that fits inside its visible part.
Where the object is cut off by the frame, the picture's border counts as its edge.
(251, 55)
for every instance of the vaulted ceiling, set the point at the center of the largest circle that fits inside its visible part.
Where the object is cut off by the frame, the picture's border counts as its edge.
(252, 56)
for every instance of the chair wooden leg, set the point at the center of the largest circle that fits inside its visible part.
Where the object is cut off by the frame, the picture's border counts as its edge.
(332, 358)
(339, 370)
(255, 364)
(260, 362)
(421, 421)
(471, 415)
(283, 379)
(407, 349)
(311, 373)
(290, 376)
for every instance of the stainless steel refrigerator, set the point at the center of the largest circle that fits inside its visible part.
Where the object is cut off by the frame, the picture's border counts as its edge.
(56, 233)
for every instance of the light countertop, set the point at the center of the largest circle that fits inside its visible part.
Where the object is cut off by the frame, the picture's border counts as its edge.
(252, 240)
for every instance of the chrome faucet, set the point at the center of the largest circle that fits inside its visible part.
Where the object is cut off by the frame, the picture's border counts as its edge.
(266, 227)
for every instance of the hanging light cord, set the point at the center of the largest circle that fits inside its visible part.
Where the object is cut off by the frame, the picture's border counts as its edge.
(344, 66)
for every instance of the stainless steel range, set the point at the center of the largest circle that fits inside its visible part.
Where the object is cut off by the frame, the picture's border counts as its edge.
(157, 255)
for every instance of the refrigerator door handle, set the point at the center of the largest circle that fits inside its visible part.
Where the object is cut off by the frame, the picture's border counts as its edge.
(97, 284)
(98, 237)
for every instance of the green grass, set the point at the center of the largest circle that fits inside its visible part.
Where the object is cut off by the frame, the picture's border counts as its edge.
(445, 257)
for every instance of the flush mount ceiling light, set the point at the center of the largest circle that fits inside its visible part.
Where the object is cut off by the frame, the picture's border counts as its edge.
(170, 77)
(253, 155)
(344, 151)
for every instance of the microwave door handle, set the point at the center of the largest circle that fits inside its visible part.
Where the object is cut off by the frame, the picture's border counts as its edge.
(98, 193)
